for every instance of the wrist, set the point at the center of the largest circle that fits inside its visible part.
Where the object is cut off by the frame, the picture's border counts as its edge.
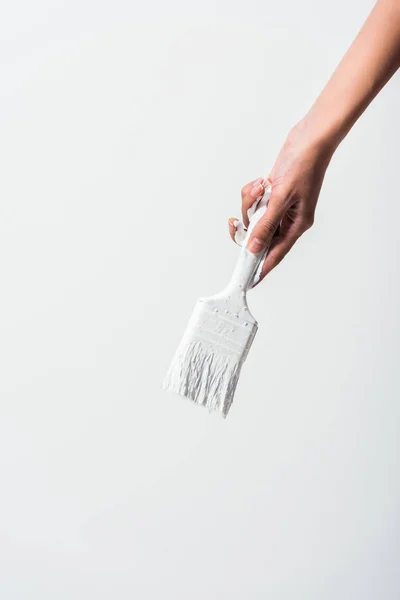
(317, 135)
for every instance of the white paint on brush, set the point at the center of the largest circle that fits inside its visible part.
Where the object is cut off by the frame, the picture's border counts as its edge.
(254, 214)
(208, 361)
(207, 364)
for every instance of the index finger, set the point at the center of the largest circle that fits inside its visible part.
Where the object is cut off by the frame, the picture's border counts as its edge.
(250, 194)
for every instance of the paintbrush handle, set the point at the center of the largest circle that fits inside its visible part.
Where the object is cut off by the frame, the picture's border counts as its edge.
(246, 274)
(246, 267)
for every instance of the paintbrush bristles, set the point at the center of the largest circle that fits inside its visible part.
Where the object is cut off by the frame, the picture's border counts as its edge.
(207, 363)
(207, 377)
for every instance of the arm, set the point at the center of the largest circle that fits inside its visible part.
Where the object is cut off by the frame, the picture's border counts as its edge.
(299, 170)
(370, 62)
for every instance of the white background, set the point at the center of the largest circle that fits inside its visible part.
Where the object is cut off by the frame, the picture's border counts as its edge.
(126, 132)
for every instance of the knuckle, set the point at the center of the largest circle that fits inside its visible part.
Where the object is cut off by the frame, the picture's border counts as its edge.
(267, 227)
(307, 222)
(280, 192)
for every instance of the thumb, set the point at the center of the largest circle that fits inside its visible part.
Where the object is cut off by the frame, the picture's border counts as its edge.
(266, 227)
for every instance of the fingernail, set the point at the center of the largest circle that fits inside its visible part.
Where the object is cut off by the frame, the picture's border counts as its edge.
(256, 190)
(256, 245)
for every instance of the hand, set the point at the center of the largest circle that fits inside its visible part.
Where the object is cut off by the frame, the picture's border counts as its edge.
(296, 181)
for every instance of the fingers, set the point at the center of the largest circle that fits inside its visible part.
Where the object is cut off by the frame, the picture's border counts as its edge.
(291, 229)
(232, 224)
(280, 246)
(237, 231)
(248, 187)
(250, 193)
(266, 227)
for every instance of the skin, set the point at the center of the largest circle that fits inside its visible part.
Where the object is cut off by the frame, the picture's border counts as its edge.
(298, 173)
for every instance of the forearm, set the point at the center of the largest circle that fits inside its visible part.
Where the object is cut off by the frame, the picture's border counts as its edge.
(369, 63)
(296, 178)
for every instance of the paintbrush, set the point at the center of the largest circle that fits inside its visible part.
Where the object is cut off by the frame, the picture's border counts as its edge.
(208, 361)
